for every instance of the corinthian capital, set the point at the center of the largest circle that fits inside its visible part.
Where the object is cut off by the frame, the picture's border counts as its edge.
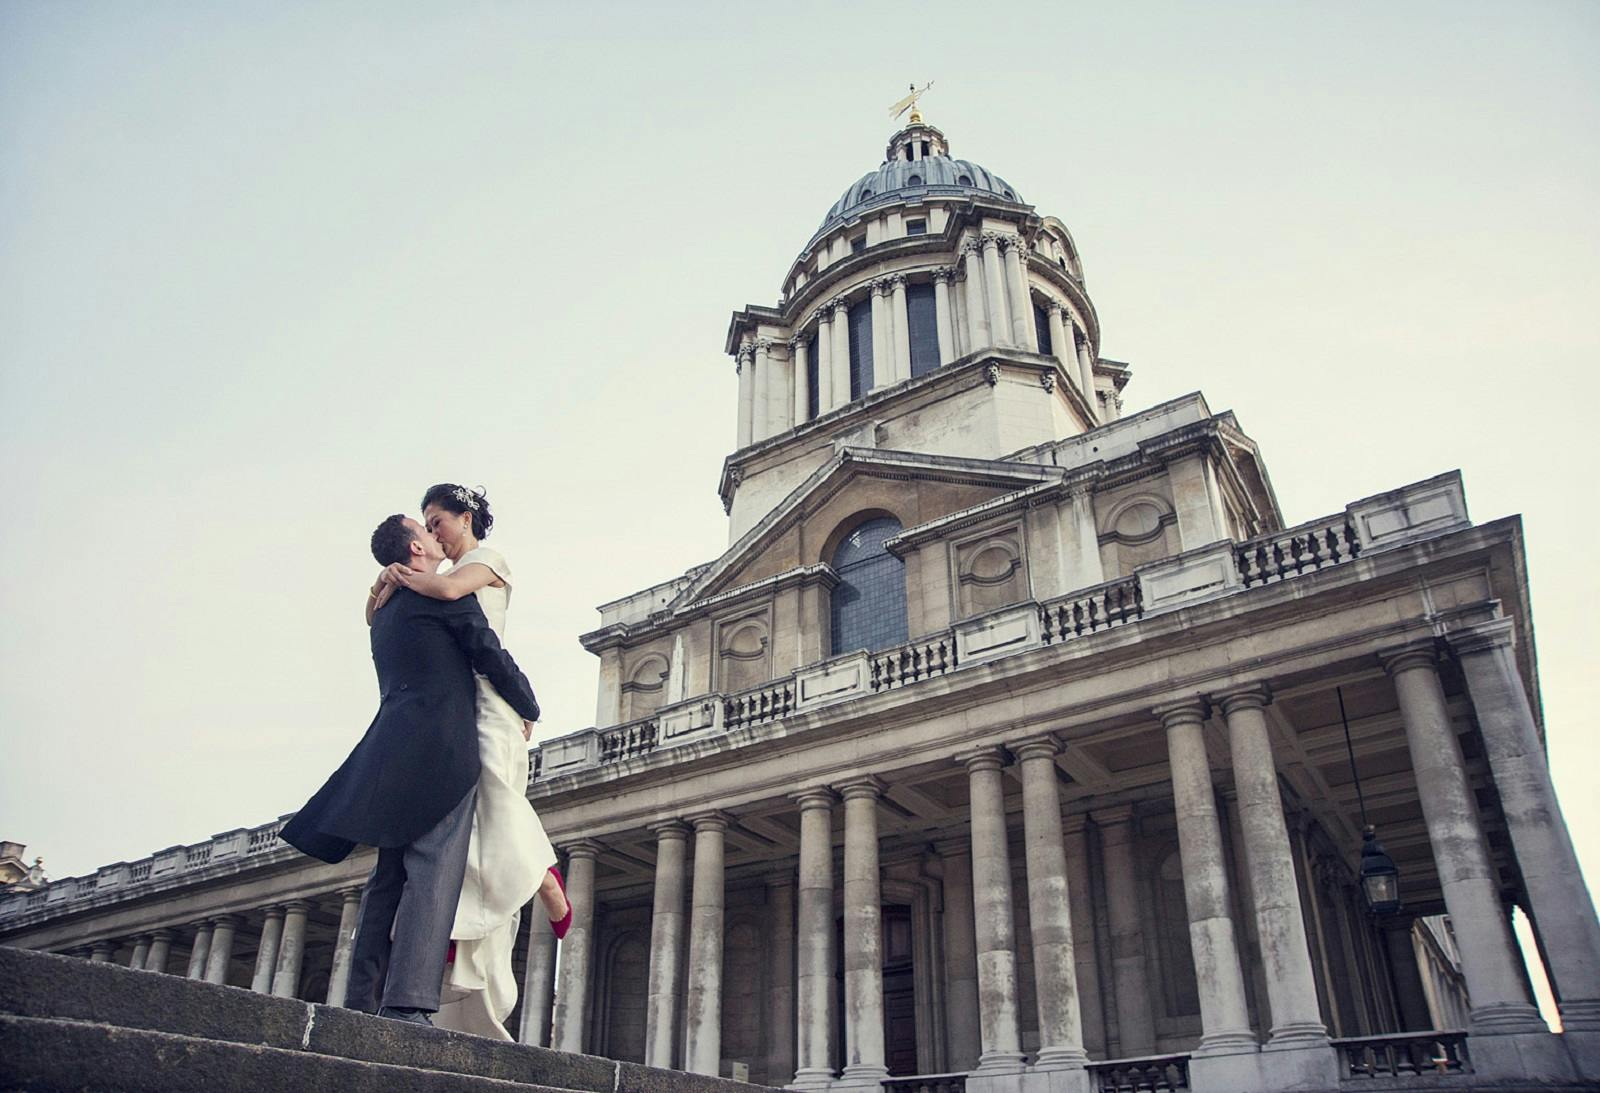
(944, 273)
(747, 353)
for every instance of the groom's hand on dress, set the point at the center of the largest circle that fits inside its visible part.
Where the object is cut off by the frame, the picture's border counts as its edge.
(527, 730)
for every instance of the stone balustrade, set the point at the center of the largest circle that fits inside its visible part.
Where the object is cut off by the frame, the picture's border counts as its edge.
(915, 661)
(1149, 1074)
(1403, 1055)
(626, 741)
(1091, 610)
(1303, 549)
(926, 1083)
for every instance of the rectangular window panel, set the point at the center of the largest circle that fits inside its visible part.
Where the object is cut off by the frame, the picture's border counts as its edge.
(923, 328)
(860, 349)
(916, 227)
(812, 382)
(1041, 325)
(858, 244)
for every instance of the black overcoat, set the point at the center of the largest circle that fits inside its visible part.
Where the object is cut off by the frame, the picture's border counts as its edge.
(420, 754)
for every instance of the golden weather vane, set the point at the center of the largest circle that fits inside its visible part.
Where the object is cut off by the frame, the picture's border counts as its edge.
(910, 103)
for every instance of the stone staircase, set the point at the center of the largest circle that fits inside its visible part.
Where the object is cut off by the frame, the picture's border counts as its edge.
(67, 1024)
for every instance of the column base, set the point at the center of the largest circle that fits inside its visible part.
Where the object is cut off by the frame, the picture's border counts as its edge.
(811, 1077)
(1300, 1034)
(1227, 1042)
(1525, 1056)
(1506, 1018)
(1061, 1058)
(1001, 1062)
(861, 1076)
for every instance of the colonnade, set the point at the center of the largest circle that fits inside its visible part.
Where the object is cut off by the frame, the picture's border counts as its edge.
(1079, 993)
(996, 312)
(280, 948)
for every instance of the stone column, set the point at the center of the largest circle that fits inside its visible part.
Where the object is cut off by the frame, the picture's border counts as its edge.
(943, 322)
(960, 958)
(1280, 923)
(1085, 370)
(882, 336)
(977, 317)
(1134, 1008)
(200, 952)
(344, 945)
(1062, 347)
(762, 425)
(1055, 973)
(161, 950)
(570, 1025)
(863, 937)
(1020, 303)
(291, 950)
(666, 944)
(994, 925)
(100, 952)
(1080, 905)
(814, 1024)
(780, 1003)
(267, 951)
(141, 950)
(902, 328)
(1489, 961)
(799, 355)
(1559, 901)
(702, 1011)
(1224, 1014)
(840, 328)
(994, 282)
(744, 367)
(824, 351)
(538, 979)
(224, 928)
(1410, 996)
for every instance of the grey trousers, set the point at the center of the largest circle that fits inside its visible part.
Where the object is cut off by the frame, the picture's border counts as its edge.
(411, 897)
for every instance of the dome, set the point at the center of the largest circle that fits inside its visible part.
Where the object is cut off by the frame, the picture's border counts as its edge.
(899, 179)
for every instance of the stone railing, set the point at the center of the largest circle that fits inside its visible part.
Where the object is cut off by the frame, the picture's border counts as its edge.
(922, 659)
(764, 703)
(1304, 549)
(1091, 610)
(925, 1083)
(626, 741)
(111, 881)
(1148, 1074)
(1403, 1055)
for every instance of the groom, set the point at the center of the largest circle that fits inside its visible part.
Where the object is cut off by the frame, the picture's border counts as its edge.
(409, 786)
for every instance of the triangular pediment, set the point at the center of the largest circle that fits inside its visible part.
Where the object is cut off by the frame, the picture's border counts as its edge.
(966, 481)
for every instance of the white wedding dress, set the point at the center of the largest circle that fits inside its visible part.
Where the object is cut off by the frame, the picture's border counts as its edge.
(508, 856)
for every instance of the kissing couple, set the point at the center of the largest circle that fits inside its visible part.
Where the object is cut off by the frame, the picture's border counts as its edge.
(439, 782)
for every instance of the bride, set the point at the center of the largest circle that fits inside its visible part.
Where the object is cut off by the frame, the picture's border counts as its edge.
(510, 858)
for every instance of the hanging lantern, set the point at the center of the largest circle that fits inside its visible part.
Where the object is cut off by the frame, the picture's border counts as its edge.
(1380, 880)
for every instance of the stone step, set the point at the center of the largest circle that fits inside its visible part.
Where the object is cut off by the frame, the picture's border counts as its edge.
(39, 1055)
(62, 990)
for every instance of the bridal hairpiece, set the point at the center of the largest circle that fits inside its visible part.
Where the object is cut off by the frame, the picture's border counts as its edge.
(467, 497)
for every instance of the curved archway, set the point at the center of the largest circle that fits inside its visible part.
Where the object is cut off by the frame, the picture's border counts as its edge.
(868, 608)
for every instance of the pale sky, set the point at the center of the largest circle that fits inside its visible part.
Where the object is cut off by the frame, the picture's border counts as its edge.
(269, 270)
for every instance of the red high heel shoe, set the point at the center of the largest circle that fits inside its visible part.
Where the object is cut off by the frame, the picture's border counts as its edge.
(565, 924)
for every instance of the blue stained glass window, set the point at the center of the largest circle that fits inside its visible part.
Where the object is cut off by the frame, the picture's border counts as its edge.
(1041, 325)
(860, 349)
(869, 603)
(922, 324)
(812, 382)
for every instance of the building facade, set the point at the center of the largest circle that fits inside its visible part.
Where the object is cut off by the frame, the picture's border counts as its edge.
(1013, 742)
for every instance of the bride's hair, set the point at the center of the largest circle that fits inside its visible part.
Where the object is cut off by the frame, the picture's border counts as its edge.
(460, 499)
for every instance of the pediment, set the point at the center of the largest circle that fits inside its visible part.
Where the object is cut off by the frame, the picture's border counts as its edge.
(784, 540)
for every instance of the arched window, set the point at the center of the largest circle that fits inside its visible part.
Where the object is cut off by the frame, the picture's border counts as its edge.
(965, 180)
(869, 604)
(913, 180)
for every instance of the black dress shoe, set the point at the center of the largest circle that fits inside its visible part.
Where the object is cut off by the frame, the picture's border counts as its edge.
(409, 1016)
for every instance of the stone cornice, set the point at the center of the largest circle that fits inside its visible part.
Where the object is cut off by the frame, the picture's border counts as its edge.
(658, 622)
